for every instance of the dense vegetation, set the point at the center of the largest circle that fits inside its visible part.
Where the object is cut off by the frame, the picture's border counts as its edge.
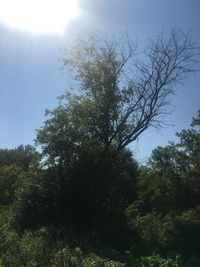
(85, 201)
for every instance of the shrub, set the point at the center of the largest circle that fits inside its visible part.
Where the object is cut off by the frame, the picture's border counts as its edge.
(157, 261)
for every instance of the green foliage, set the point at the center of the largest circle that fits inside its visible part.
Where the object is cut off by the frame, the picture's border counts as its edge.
(88, 203)
(121, 96)
(154, 230)
(91, 198)
(5, 215)
(16, 166)
(34, 203)
(157, 261)
(112, 214)
(186, 234)
(76, 258)
(27, 251)
(22, 156)
(30, 249)
(11, 178)
(68, 257)
(166, 213)
(41, 248)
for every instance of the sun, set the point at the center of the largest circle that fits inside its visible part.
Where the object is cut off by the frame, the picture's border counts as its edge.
(38, 15)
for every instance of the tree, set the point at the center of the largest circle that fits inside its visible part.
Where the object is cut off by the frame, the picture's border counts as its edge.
(123, 95)
(15, 167)
(180, 162)
(90, 175)
(85, 138)
(120, 96)
(171, 178)
(167, 212)
(23, 156)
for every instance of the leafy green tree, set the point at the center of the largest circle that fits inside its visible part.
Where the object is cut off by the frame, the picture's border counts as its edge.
(22, 156)
(181, 162)
(10, 180)
(15, 166)
(119, 96)
(90, 175)
(166, 214)
(89, 198)
(124, 96)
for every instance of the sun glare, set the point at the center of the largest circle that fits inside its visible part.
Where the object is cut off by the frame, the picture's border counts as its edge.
(38, 15)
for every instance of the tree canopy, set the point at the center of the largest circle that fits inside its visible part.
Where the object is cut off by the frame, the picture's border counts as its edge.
(119, 95)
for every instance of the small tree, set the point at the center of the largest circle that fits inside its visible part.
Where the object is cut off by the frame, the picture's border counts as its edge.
(15, 168)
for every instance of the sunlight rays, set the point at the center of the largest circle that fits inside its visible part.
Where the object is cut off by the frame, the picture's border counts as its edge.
(38, 15)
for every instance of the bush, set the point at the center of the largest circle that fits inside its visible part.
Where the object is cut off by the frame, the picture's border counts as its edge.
(157, 261)
(30, 250)
(75, 258)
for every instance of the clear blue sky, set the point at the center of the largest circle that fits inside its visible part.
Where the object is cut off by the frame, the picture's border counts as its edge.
(30, 65)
